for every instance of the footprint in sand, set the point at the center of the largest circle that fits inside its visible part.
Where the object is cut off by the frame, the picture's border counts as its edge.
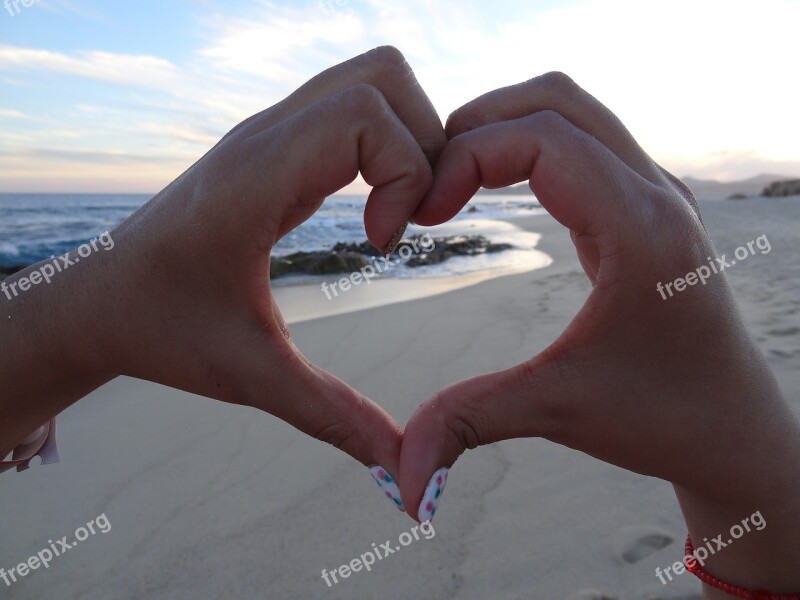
(590, 595)
(636, 543)
(782, 354)
(785, 332)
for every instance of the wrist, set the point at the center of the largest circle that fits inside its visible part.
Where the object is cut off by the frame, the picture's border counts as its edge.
(49, 321)
(752, 548)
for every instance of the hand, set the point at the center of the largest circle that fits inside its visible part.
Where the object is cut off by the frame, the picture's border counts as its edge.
(674, 388)
(206, 321)
(184, 298)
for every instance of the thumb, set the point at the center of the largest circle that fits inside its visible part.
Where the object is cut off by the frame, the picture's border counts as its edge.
(267, 371)
(328, 409)
(517, 402)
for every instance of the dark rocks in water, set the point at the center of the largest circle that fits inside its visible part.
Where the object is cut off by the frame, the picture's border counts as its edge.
(456, 245)
(778, 189)
(472, 209)
(737, 196)
(316, 263)
(7, 270)
(363, 248)
(349, 257)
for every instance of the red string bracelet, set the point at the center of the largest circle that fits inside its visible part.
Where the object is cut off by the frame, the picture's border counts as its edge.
(694, 567)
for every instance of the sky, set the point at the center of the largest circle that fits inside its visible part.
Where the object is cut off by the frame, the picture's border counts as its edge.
(120, 96)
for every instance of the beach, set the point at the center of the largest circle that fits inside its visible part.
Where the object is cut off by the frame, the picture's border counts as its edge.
(210, 501)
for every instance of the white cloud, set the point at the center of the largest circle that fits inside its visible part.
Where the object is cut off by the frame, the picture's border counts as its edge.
(277, 42)
(137, 70)
(11, 114)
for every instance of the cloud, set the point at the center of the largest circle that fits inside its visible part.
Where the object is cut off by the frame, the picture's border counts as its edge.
(275, 42)
(137, 70)
(11, 114)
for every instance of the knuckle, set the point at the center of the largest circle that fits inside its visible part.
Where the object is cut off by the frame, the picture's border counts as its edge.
(465, 434)
(387, 57)
(362, 99)
(386, 65)
(555, 413)
(466, 423)
(338, 434)
(420, 173)
(549, 119)
(558, 82)
(461, 121)
(459, 146)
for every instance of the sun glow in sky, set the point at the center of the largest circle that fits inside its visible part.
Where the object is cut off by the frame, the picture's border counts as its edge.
(124, 96)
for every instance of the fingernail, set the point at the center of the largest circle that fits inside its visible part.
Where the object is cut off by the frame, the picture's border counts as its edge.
(432, 495)
(388, 485)
(392, 243)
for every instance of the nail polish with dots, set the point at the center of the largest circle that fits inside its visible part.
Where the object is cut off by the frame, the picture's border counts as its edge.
(432, 495)
(388, 486)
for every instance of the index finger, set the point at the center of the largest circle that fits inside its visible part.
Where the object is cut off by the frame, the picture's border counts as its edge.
(557, 92)
(384, 68)
(575, 177)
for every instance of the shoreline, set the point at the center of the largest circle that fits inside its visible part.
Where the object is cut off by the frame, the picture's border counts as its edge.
(307, 301)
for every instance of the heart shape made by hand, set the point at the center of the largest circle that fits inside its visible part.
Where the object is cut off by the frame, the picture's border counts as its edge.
(596, 388)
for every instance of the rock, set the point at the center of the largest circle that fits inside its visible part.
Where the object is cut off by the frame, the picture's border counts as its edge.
(737, 196)
(7, 270)
(790, 187)
(456, 245)
(347, 257)
(472, 209)
(363, 248)
(316, 263)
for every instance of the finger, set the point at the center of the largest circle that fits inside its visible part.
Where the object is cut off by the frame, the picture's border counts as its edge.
(579, 181)
(321, 149)
(333, 412)
(471, 413)
(384, 68)
(557, 92)
(320, 405)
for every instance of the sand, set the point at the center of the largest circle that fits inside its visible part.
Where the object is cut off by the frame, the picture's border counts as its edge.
(212, 501)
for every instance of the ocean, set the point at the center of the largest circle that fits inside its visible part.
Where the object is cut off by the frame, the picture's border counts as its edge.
(34, 227)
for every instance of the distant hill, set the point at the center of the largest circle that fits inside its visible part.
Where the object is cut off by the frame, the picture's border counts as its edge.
(708, 189)
(778, 189)
(704, 189)
(521, 189)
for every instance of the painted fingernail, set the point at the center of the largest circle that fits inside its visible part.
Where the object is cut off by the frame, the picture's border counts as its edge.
(432, 495)
(392, 243)
(388, 486)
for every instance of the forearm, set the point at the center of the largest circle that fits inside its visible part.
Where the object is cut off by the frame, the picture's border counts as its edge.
(754, 547)
(757, 524)
(51, 338)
